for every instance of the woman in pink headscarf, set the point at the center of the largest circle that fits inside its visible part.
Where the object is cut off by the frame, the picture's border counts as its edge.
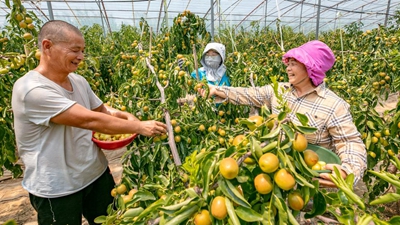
(306, 93)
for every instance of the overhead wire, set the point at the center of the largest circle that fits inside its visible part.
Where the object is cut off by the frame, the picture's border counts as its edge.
(346, 13)
(262, 2)
(73, 13)
(370, 15)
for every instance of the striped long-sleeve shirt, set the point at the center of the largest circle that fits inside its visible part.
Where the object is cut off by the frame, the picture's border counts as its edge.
(326, 111)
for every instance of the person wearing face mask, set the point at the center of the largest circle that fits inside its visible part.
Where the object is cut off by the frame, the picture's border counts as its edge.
(213, 70)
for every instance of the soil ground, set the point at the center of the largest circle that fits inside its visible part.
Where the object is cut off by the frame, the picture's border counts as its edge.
(14, 200)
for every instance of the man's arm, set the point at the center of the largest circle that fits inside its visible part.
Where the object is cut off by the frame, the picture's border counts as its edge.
(115, 112)
(101, 120)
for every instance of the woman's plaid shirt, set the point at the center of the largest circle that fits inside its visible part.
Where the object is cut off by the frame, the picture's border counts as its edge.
(325, 110)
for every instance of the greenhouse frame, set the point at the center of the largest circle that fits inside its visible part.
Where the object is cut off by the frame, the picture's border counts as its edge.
(303, 16)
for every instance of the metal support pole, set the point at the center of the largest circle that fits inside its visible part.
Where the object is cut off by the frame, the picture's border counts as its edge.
(166, 13)
(265, 13)
(337, 15)
(50, 9)
(301, 15)
(219, 14)
(212, 20)
(102, 19)
(318, 16)
(387, 13)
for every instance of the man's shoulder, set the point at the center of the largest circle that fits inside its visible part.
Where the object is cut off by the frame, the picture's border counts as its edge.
(28, 80)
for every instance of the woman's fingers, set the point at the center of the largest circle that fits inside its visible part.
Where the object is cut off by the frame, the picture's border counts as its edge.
(324, 178)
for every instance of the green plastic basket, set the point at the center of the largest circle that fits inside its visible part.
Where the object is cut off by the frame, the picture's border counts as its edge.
(325, 155)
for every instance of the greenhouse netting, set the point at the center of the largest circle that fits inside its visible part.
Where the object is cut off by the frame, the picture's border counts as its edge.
(306, 16)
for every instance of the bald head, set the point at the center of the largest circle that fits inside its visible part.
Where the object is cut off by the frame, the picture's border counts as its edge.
(56, 31)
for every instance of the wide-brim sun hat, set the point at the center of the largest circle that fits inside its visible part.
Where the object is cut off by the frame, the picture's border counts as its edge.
(316, 56)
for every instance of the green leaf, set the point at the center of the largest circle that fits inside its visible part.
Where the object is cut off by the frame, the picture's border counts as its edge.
(133, 212)
(231, 212)
(2, 133)
(350, 180)
(144, 195)
(8, 4)
(289, 131)
(371, 125)
(248, 214)
(251, 125)
(385, 176)
(387, 198)
(342, 197)
(272, 134)
(280, 205)
(99, 219)
(268, 214)
(232, 193)
(172, 208)
(151, 208)
(305, 129)
(319, 206)
(343, 219)
(255, 147)
(281, 116)
(302, 118)
(395, 220)
(360, 121)
(183, 215)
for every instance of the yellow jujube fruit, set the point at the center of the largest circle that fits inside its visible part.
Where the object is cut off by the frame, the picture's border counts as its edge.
(299, 143)
(229, 168)
(284, 180)
(218, 208)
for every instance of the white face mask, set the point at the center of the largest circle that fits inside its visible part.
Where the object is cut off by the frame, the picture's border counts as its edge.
(213, 61)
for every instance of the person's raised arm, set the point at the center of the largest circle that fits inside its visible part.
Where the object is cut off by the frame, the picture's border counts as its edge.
(213, 92)
(79, 116)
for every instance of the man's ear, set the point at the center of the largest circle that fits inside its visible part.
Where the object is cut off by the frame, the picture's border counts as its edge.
(46, 44)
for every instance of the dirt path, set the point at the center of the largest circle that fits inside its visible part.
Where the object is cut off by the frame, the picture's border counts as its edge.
(14, 201)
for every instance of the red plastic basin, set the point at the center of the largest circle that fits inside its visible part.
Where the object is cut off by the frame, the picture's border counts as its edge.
(112, 145)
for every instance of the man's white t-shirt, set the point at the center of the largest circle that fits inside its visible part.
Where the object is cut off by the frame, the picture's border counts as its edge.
(59, 160)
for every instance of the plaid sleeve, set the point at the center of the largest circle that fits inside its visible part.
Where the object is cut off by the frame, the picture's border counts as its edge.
(252, 96)
(347, 140)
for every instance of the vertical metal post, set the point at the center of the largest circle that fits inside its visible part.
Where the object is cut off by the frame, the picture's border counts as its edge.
(219, 14)
(165, 13)
(265, 13)
(334, 24)
(50, 9)
(133, 14)
(212, 20)
(318, 16)
(301, 14)
(387, 13)
(102, 19)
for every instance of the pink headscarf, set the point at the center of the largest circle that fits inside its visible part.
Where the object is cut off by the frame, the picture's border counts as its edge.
(316, 56)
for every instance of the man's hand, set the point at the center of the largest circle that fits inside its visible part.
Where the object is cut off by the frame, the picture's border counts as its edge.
(152, 128)
(325, 180)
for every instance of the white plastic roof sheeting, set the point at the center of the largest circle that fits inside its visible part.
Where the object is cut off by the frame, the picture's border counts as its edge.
(301, 15)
